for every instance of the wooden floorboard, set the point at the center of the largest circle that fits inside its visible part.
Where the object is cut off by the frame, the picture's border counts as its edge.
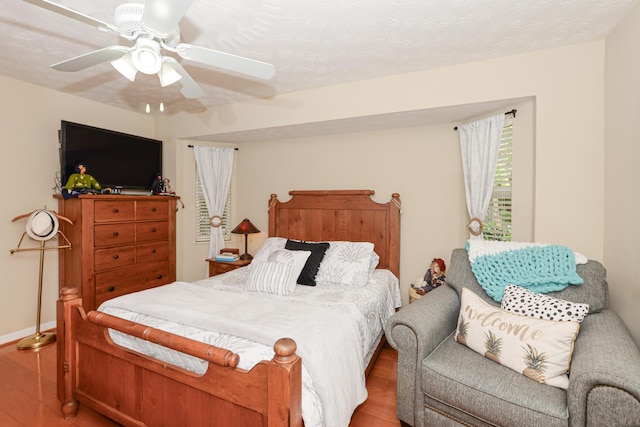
(28, 392)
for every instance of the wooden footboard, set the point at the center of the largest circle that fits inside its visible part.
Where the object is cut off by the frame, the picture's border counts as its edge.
(137, 390)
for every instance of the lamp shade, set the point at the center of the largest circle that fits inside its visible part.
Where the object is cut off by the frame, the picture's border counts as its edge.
(245, 227)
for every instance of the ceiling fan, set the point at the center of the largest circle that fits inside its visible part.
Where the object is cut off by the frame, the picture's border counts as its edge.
(153, 27)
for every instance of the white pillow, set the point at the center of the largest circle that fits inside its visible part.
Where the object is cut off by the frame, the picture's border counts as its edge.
(270, 277)
(373, 264)
(269, 245)
(347, 263)
(522, 301)
(539, 349)
(296, 260)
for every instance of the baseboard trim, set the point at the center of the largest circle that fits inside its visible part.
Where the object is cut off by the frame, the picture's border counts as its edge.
(18, 335)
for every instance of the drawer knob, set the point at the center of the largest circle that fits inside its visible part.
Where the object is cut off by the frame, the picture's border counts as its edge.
(153, 251)
(115, 233)
(153, 209)
(159, 276)
(115, 210)
(111, 288)
(116, 256)
(153, 230)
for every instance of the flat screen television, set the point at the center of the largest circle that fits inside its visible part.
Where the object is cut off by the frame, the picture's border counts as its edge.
(115, 159)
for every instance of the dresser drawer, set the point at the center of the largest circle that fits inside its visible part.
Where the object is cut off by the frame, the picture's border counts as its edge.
(152, 210)
(154, 251)
(110, 210)
(121, 256)
(114, 283)
(152, 230)
(114, 234)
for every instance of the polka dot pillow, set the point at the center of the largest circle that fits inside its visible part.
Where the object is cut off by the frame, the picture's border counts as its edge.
(522, 301)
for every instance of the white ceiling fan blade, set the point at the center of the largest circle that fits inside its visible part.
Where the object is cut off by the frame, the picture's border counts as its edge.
(90, 59)
(226, 61)
(74, 14)
(162, 16)
(190, 88)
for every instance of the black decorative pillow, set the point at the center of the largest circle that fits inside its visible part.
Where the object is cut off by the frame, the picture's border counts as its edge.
(308, 274)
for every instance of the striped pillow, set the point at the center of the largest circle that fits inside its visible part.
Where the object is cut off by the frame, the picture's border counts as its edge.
(270, 277)
(296, 259)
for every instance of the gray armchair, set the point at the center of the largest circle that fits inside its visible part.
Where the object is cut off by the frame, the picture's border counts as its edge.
(443, 383)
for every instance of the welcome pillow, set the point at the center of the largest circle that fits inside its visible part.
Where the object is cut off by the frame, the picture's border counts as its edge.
(539, 349)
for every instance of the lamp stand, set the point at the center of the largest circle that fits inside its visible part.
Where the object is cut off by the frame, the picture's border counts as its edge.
(246, 254)
(38, 340)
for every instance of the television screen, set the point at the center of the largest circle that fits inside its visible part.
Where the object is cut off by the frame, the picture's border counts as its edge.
(114, 159)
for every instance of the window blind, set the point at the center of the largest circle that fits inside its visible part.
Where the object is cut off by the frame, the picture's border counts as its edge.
(497, 223)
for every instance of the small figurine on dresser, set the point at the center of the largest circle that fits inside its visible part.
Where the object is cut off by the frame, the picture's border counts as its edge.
(161, 187)
(432, 279)
(80, 182)
(158, 186)
(167, 186)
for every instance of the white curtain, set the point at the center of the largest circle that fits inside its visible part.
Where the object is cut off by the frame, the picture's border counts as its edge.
(479, 144)
(215, 165)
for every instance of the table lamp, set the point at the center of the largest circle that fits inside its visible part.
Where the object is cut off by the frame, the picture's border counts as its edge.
(245, 227)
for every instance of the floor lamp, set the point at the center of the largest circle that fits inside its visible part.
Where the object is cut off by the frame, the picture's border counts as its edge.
(42, 225)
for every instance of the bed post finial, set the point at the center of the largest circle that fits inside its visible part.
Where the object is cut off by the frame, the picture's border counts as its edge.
(273, 200)
(395, 198)
(285, 349)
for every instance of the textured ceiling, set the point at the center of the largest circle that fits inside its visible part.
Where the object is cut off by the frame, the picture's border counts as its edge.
(311, 43)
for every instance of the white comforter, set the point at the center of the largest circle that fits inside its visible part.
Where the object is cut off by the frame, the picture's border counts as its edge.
(218, 310)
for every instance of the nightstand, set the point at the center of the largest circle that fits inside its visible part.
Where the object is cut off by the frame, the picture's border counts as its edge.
(219, 267)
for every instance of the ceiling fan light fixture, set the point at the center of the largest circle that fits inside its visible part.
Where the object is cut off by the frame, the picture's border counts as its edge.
(154, 27)
(146, 56)
(125, 66)
(168, 75)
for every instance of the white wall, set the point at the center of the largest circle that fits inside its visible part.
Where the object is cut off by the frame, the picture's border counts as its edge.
(622, 151)
(565, 123)
(30, 119)
(565, 167)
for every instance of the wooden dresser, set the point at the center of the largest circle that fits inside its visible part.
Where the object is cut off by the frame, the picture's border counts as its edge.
(120, 244)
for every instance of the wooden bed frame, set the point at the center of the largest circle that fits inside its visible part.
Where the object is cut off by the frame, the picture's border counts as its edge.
(137, 390)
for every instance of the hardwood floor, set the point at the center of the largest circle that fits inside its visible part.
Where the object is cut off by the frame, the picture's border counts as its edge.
(379, 410)
(28, 392)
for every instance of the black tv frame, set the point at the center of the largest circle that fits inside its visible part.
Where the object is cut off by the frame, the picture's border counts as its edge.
(117, 160)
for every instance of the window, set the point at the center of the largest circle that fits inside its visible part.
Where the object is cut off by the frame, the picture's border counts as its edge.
(497, 223)
(203, 228)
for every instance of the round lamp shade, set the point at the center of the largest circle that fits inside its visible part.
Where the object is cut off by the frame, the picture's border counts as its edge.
(42, 225)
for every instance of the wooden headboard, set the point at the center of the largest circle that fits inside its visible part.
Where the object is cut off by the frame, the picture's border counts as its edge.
(351, 215)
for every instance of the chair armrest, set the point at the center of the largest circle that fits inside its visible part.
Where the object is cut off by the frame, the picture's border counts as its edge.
(604, 386)
(415, 331)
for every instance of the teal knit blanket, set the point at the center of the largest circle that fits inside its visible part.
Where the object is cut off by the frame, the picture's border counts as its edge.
(539, 268)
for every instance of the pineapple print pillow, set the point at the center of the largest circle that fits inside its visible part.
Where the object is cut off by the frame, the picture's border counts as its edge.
(539, 349)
